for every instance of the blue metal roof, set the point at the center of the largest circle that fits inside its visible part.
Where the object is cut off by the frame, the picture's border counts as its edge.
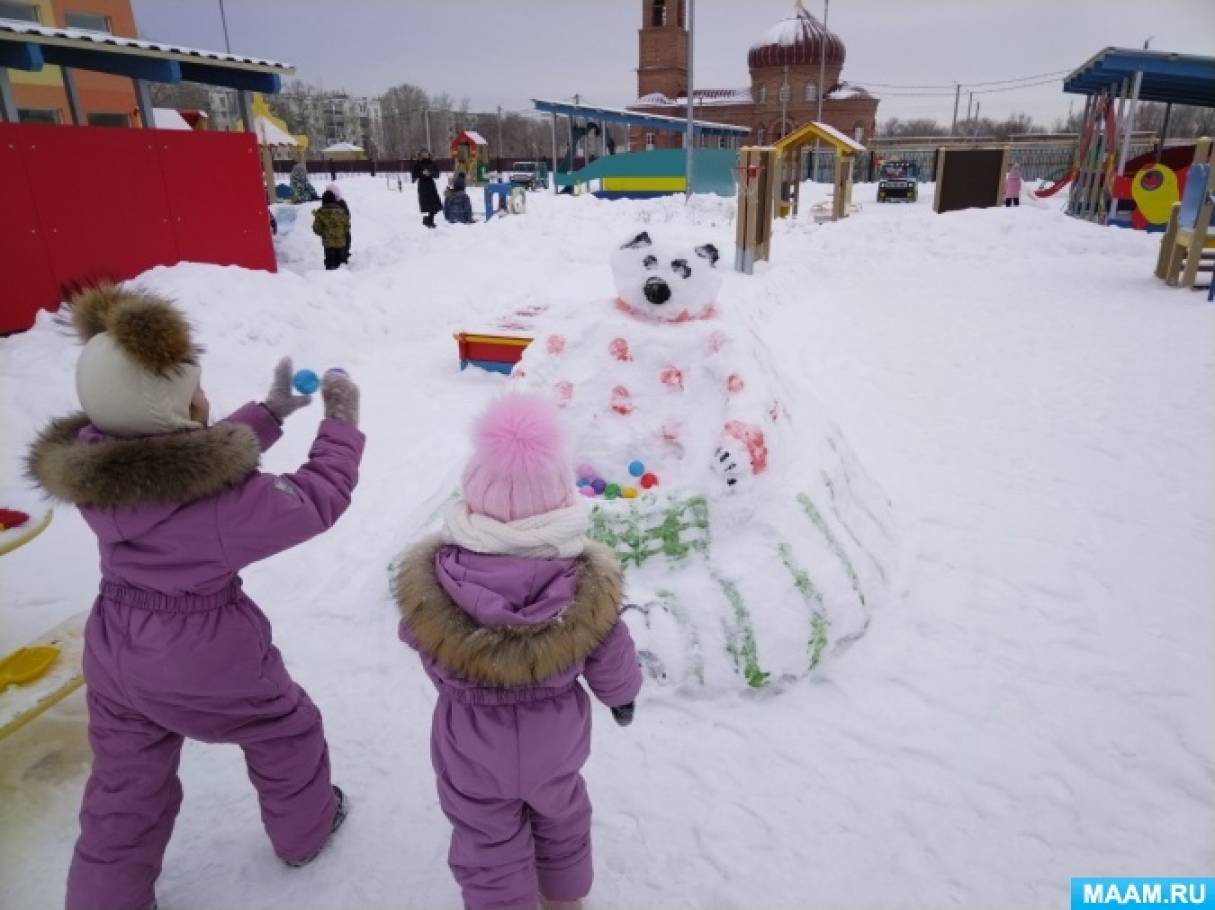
(1179, 78)
(26, 46)
(635, 118)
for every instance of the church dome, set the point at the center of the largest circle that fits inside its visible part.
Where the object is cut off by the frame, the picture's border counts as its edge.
(799, 39)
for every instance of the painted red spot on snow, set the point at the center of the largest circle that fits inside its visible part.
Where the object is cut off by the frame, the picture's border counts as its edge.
(670, 433)
(735, 384)
(555, 344)
(717, 341)
(672, 378)
(619, 349)
(752, 437)
(622, 401)
(564, 390)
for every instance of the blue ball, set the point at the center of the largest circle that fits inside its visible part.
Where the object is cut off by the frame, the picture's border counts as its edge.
(584, 481)
(306, 382)
(636, 468)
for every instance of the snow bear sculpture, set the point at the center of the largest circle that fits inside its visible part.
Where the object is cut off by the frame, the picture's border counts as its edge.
(753, 542)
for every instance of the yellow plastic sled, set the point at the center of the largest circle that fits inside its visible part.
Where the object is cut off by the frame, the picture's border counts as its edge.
(42, 674)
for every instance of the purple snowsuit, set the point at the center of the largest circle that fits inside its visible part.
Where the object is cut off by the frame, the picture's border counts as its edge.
(504, 639)
(175, 648)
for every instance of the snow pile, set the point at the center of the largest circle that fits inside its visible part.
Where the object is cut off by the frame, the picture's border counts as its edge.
(762, 547)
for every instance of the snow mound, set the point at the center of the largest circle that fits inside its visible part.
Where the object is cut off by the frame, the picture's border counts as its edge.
(763, 544)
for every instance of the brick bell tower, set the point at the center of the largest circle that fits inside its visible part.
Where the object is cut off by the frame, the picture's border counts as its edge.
(662, 59)
(662, 54)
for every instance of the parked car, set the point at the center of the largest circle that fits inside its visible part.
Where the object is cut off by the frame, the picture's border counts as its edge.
(898, 180)
(530, 174)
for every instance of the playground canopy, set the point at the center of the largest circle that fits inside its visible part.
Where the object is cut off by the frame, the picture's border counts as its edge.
(634, 118)
(26, 46)
(341, 147)
(1162, 75)
(29, 47)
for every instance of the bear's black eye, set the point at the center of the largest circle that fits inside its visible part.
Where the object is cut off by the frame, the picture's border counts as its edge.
(650, 261)
(681, 266)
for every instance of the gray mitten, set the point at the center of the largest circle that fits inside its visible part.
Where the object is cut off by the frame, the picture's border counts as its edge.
(281, 401)
(341, 397)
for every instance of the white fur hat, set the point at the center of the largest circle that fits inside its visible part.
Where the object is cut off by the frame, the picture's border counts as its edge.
(139, 367)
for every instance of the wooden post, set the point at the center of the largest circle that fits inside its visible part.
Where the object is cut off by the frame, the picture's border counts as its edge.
(1167, 243)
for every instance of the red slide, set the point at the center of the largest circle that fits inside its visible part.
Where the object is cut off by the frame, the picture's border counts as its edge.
(1056, 186)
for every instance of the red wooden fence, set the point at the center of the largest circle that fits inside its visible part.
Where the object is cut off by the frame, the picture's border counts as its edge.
(83, 204)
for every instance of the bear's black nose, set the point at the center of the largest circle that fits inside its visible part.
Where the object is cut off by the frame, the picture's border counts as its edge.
(657, 290)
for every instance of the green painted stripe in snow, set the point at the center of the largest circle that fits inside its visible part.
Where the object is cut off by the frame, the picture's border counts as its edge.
(832, 542)
(740, 637)
(819, 623)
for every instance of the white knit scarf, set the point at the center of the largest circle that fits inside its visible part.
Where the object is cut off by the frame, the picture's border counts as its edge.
(559, 534)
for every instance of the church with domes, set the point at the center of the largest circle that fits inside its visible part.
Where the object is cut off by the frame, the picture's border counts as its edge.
(785, 64)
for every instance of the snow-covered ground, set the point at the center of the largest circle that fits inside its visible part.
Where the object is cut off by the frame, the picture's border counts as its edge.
(1034, 702)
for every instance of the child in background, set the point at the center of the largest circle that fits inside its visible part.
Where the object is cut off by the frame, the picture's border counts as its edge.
(457, 207)
(173, 646)
(337, 194)
(1012, 186)
(507, 609)
(332, 223)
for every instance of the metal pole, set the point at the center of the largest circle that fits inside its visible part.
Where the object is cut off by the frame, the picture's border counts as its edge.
(499, 137)
(957, 96)
(970, 100)
(73, 99)
(427, 115)
(819, 89)
(690, 136)
(145, 104)
(1130, 120)
(554, 129)
(244, 103)
(8, 105)
(1164, 127)
(1114, 149)
(224, 19)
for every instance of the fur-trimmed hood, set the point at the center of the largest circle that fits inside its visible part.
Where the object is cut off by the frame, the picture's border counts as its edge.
(75, 463)
(511, 655)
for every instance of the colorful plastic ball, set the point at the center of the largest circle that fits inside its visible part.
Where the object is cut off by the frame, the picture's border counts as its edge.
(629, 492)
(612, 490)
(588, 491)
(586, 471)
(306, 382)
(649, 480)
(598, 484)
(636, 468)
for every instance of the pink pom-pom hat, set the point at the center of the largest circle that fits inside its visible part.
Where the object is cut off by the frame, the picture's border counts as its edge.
(520, 466)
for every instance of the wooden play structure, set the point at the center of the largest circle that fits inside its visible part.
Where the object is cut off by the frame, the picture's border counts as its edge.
(970, 178)
(790, 169)
(470, 152)
(1188, 245)
(1112, 182)
(753, 233)
(769, 185)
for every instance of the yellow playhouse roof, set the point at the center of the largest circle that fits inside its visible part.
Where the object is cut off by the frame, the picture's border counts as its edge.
(815, 130)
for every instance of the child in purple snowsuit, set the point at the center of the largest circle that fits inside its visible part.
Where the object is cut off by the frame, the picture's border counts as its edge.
(507, 609)
(173, 647)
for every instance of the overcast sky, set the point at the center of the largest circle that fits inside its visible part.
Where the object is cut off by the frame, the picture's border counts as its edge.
(505, 52)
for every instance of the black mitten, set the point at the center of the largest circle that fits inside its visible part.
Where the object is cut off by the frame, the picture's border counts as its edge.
(623, 714)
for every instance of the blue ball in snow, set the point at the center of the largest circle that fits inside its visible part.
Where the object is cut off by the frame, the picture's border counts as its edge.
(306, 382)
(636, 468)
